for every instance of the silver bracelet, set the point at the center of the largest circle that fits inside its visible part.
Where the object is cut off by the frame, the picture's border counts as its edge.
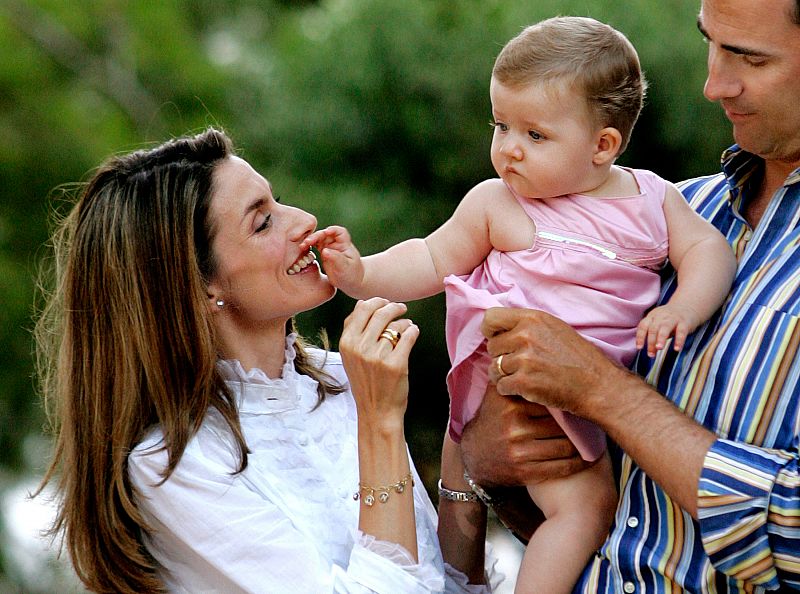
(463, 496)
(481, 493)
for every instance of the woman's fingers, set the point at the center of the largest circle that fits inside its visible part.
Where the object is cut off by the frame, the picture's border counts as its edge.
(375, 313)
(372, 332)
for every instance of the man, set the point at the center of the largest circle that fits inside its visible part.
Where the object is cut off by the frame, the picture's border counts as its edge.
(709, 483)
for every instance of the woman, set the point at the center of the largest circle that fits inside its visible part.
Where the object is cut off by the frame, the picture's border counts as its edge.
(201, 444)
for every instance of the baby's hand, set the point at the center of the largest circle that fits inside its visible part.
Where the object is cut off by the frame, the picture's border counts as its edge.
(661, 323)
(340, 258)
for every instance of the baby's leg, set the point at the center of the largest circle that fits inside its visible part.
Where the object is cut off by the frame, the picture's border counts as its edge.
(578, 511)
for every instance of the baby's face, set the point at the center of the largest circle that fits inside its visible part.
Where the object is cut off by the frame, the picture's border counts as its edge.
(544, 140)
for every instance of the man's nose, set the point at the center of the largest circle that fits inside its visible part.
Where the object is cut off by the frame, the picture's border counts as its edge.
(722, 81)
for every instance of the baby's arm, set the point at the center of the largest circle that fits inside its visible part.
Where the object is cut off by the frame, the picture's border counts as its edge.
(414, 268)
(705, 265)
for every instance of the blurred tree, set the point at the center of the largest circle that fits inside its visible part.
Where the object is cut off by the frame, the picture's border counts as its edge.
(370, 113)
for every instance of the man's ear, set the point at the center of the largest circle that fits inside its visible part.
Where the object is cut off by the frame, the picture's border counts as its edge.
(608, 143)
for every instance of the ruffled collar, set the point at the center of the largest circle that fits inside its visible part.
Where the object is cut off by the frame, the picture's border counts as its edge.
(256, 392)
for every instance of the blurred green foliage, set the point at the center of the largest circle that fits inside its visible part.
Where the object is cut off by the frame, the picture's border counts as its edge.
(369, 113)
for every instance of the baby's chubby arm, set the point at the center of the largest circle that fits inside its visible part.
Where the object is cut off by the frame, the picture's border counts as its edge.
(415, 268)
(706, 267)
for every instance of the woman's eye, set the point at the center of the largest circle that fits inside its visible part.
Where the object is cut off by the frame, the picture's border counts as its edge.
(264, 225)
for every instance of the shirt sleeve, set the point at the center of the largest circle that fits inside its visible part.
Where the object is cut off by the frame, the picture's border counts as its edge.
(749, 513)
(213, 534)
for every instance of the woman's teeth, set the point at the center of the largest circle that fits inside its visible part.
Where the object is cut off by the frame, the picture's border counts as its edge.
(302, 263)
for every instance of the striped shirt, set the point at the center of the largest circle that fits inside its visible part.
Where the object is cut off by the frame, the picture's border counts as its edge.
(739, 376)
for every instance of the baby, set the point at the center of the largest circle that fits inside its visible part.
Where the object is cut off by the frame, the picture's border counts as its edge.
(565, 230)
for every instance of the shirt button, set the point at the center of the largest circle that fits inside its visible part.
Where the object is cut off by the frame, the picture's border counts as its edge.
(633, 522)
(629, 588)
(303, 441)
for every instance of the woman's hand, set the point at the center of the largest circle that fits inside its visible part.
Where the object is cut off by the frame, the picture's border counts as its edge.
(377, 368)
(375, 348)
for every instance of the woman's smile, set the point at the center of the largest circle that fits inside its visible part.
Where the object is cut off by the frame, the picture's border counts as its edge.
(303, 263)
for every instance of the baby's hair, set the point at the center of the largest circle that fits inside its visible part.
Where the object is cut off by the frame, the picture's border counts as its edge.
(591, 57)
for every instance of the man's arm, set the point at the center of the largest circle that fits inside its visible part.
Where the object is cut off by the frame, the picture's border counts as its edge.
(546, 361)
(746, 498)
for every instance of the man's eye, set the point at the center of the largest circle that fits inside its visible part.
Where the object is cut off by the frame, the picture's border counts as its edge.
(755, 60)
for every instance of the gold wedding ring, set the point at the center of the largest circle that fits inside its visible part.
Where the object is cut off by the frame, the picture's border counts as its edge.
(497, 363)
(391, 335)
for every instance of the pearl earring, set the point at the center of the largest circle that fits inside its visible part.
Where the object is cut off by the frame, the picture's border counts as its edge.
(220, 303)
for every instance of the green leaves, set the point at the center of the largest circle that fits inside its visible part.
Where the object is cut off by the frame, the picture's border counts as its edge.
(369, 113)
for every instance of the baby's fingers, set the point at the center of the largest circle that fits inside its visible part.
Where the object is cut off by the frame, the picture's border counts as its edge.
(647, 332)
(326, 237)
(641, 332)
(681, 332)
(313, 239)
(665, 330)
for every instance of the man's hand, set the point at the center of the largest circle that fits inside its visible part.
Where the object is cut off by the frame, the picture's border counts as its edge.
(546, 361)
(513, 442)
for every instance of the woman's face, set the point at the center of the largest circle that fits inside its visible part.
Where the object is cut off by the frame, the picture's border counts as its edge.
(261, 273)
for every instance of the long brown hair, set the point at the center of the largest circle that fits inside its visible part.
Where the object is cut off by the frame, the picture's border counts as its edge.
(125, 341)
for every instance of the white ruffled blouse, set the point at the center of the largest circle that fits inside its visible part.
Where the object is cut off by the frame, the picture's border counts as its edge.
(289, 522)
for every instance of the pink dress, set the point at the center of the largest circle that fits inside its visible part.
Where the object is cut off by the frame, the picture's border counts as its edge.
(594, 264)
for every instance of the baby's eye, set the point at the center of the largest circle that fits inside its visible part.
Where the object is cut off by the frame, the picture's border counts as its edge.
(499, 126)
(535, 135)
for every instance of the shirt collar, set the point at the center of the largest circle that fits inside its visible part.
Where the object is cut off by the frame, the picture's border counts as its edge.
(256, 392)
(741, 167)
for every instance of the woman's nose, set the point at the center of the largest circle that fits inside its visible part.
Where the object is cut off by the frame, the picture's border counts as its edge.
(303, 223)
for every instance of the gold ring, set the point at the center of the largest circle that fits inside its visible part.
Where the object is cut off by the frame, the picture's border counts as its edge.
(391, 335)
(497, 363)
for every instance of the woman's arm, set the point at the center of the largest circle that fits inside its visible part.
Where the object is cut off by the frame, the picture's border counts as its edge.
(377, 371)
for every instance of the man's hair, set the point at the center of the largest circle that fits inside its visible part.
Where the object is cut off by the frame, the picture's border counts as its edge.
(591, 57)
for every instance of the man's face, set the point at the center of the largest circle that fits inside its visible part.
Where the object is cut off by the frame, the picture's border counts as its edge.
(754, 72)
